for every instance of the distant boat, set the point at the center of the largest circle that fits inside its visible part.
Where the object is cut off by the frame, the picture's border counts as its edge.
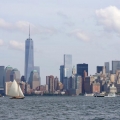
(89, 94)
(15, 91)
(111, 95)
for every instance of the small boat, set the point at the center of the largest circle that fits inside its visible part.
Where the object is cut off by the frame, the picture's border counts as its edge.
(98, 95)
(89, 94)
(15, 91)
(111, 95)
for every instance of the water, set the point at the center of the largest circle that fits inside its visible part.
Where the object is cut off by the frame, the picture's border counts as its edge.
(60, 108)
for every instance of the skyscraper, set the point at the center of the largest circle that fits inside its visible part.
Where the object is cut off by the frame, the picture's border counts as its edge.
(29, 57)
(15, 75)
(8, 70)
(115, 66)
(99, 69)
(67, 65)
(61, 73)
(2, 76)
(81, 68)
(107, 67)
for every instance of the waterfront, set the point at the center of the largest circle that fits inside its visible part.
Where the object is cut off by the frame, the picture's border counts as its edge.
(60, 108)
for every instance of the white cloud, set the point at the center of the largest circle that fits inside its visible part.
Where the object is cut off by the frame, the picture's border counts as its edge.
(24, 26)
(80, 35)
(16, 45)
(1, 42)
(109, 18)
(4, 24)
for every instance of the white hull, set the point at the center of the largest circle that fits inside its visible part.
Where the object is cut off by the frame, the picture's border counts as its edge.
(111, 95)
(89, 95)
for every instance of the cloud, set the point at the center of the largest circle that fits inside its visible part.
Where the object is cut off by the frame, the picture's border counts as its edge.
(1, 42)
(110, 18)
(4, 24)
(16, 45)
(24, 26)
(80, 35)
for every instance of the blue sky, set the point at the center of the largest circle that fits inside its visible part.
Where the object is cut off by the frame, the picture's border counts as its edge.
(87, 29)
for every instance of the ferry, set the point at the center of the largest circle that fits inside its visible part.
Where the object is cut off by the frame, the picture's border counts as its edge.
(111, 95)
(89, 94)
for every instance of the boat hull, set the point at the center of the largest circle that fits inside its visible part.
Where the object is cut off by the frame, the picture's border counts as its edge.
(17, 97)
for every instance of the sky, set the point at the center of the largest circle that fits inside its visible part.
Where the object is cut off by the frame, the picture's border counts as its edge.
(89, 30)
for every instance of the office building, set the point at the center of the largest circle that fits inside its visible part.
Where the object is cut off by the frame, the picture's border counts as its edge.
(7, 87)
(56, 84)
(61, 73)
(96, 87)
(107, 67)
(29, 57)
(2, 69)
(99, 69)
(67, 65)
(38, 70)
(15, 75)
(115, 66)
(8, 70)
(50, 83)
(81, 69)
(34, 80)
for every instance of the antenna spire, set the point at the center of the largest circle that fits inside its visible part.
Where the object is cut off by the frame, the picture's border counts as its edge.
(29, 31)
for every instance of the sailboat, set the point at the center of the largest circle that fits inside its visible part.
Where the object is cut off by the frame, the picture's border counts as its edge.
(15, 91)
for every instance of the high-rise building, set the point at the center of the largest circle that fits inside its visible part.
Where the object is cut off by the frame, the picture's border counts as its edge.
(38, 70)
(8, 70)
(81, 68)
(115, 66)
(2, 76)
(50, 83)
(34, 80)
(99, 69)
(15, 75)
(56, 84)
(29, 57)
(67, 65)
(61, 73)
(107, 67)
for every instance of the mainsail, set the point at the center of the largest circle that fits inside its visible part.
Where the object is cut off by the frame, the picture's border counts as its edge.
(20, 92)
(15, 90)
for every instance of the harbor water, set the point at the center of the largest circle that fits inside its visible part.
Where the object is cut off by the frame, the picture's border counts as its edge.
(60, 108)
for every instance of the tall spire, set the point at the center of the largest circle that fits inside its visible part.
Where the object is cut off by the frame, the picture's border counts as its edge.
(29, 31)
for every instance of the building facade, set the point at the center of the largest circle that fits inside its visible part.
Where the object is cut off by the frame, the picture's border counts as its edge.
(81, 68)
(2, 77)
(29, 58)
(99, 69)
(8, 71)
(107, 67)
(15, 75)
(115, 66)
(34, 80)
(67, 65)
(61, 73)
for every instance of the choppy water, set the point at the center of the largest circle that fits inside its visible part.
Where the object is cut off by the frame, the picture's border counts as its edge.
(60, 108)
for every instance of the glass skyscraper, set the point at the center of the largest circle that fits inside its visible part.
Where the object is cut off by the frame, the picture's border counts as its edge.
(67, 65)
(29, 57)
(115, 66)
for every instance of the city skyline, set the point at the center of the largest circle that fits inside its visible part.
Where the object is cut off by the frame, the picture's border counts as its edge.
(80, 30)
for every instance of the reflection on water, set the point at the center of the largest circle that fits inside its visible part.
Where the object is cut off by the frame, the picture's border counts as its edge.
(60, 108)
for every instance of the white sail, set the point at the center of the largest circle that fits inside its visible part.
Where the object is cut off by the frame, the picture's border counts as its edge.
(13, 91)
(20, 92)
